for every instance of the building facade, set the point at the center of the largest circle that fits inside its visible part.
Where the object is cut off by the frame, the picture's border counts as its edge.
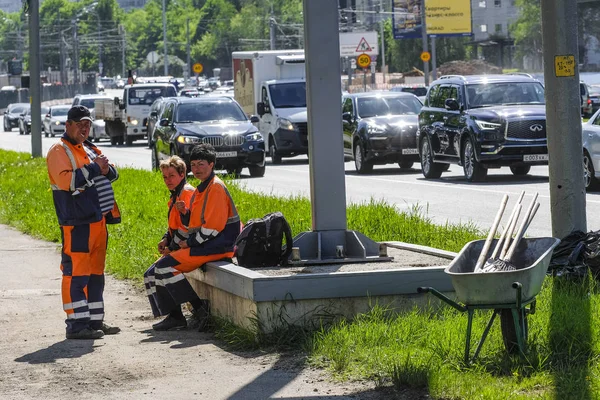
(492, 18)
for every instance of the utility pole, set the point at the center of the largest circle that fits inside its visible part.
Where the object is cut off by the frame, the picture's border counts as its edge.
(272, 29)
(75, 53)
(100, 66)
(35, 84)
(189, 57)
(63, 71)
(424, 37)
(164, 21)
(433, 59)
(563, 119)
(123, 47)
(381, 25)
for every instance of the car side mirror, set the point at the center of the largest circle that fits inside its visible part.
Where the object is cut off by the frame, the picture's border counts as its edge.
(254, 119)
(164, 122)
(347, 117)
(260, 108)
(153, 114)
(121, 106)
(116, 101)
(451, 105)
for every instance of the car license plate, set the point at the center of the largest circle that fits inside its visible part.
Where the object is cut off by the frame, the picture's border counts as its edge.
(226, 154)
(535, 157)
(410, 151)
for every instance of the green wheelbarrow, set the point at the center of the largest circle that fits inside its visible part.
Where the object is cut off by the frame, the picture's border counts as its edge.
(510, 294)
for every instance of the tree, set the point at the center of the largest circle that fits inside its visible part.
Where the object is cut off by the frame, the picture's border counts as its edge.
(527, 32)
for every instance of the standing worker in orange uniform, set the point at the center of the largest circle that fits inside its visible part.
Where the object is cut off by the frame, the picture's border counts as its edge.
(214, 224)
(81, 180)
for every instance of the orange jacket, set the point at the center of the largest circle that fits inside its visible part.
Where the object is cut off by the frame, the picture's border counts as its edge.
(71, 178)
(214, 220)
(177, 222)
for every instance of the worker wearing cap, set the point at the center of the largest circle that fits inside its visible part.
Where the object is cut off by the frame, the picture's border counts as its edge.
(80, 178)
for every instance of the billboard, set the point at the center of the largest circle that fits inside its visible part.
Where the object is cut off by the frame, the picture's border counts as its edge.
(443, 18)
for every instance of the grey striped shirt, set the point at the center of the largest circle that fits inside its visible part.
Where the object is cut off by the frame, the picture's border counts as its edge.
(106, 195)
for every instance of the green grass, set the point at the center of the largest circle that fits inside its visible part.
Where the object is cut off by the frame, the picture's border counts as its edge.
(420, 350)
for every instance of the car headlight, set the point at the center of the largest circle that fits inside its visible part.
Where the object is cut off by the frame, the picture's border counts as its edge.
(188, 139)
(57, 123)
(252, 137)
(133, 121)
(285, 124)
(375, 130)
(487, 126)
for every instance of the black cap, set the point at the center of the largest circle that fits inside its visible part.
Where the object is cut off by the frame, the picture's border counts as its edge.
(79, 113)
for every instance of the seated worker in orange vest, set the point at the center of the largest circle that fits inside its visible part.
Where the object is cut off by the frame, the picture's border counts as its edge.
(214, 224)
(81, 181)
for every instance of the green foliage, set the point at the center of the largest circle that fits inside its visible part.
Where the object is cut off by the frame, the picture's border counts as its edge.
(527, 29)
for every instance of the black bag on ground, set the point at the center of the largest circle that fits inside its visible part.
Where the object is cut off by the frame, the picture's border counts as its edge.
(260, 244)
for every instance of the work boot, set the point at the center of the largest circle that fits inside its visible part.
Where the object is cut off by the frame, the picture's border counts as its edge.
(200, 317)
(170, 324)
(86, 333)
(109, 330)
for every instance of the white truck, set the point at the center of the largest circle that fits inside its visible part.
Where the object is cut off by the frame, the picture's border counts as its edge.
(272, 85)
(126, 119)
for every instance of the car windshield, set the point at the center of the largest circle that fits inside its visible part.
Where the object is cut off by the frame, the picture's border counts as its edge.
(147, 96)
(209, 111)
(288, 95)
(490, 94)
(89, 103)
(17, 109)
(388, 105)
(417, 91)
(59, 112)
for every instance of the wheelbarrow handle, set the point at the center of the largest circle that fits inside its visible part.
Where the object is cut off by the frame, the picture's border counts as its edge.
(441, 296)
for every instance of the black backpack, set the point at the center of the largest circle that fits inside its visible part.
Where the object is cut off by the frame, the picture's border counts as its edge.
(260, 244)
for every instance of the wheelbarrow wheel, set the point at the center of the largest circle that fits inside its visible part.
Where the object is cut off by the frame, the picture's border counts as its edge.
(509, 333)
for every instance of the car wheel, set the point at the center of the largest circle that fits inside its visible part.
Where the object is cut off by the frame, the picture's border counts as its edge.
(53, 135)
(257, 171)
(589, 175)
(114, 140)
(6, 127)
(275, 157)
(128, 140)
(362, 166)
(237, 171)
(473, 170)
(520, 170)
(20, 131)
(155, 160)
(430, 169)
(405, 164)
(121, 140)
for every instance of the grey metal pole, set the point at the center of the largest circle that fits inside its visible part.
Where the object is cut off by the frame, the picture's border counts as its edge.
(433, 59)
(75, 54)
(323, 88)
(189, 57)
(63, 72)
(100, 66)
(563, 116)
(381, 24)
(424, 37)
(272, 32)
(35, 84)
(123, 47)
(164, 21)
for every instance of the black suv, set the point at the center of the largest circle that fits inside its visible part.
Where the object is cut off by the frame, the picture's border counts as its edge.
(220, 121)
(481, 122)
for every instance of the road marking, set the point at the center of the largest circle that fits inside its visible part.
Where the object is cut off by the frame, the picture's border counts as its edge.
(438, 185)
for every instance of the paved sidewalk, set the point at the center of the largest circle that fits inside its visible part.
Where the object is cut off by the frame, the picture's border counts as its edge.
(36, 361)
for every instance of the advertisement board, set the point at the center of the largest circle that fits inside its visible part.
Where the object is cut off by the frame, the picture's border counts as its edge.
(443, 18)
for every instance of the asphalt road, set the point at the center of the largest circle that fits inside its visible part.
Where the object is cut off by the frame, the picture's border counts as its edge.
(449, 199)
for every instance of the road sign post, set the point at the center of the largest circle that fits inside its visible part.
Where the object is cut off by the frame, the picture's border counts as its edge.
(363, 61)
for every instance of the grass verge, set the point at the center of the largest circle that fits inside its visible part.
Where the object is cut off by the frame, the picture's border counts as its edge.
(419, 350)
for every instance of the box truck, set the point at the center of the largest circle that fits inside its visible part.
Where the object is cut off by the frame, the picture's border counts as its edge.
(272, 85)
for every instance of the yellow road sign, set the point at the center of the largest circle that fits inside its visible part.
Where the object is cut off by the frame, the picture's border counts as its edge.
(198, 68)
(564, 65)
(425, 56)
(363, 61)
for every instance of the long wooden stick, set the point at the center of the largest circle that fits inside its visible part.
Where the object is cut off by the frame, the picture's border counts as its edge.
(504, 234)
(510, 232)
(524, 224)
(488, 242)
